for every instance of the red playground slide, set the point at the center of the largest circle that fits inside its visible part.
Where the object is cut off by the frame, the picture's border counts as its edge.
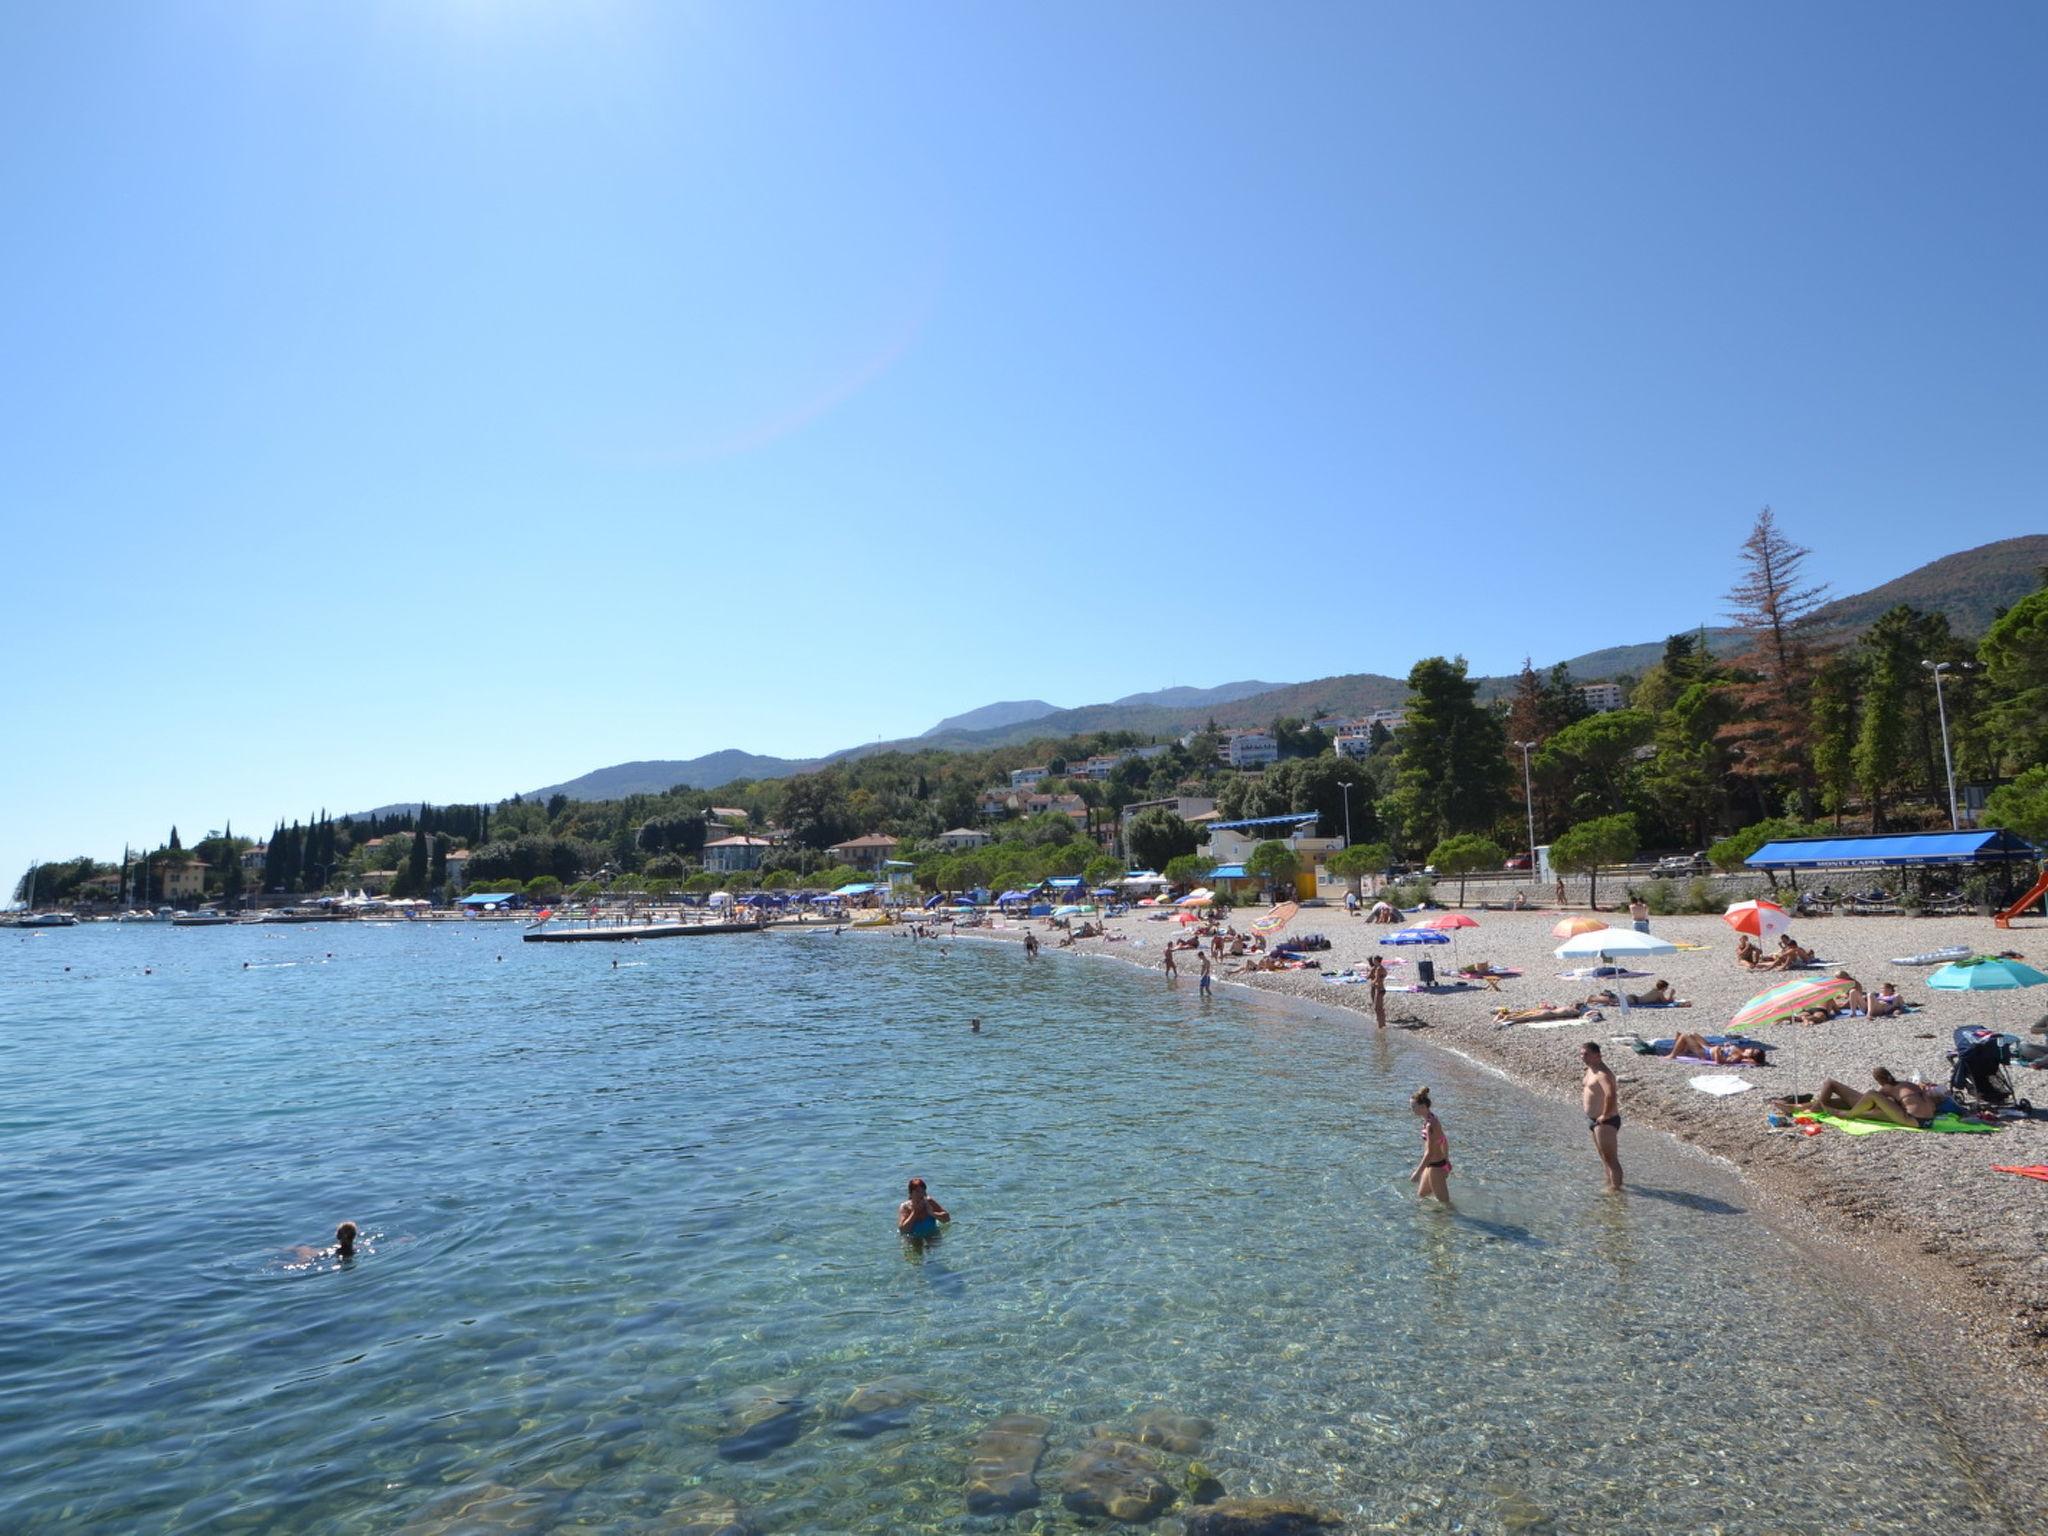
(2004, 919)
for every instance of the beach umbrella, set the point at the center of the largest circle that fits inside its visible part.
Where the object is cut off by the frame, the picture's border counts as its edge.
(1448, 921)
(1986, 973)
(1614, 943)
(1416, 936)
(1608, 943)
(1187, 919)
(1787, 1000)
(1277, 919)
(1761, 920)
(1573, 926)
(1200, 896)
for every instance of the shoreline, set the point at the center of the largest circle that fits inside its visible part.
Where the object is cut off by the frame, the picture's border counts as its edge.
(1919, 1216)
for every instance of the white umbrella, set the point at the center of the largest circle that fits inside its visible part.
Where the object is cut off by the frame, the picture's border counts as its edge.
(1607, 943)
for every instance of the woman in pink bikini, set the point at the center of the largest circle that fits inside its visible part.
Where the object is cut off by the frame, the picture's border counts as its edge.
(1432, 1173)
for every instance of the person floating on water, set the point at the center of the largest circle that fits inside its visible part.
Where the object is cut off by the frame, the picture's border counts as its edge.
(1432, 1173)
(1603, 1110)
(344, 1246)
(974, 1026)
(920, 1215)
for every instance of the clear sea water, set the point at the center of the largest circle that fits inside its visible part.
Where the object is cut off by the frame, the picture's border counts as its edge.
(605, 1206)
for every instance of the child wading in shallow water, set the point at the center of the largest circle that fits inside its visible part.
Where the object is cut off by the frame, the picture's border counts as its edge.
(1432, 1173)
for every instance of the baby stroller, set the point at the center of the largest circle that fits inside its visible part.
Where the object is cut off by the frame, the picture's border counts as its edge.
(1978, 1079)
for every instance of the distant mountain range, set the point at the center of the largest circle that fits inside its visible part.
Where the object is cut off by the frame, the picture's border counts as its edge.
(1971, 587)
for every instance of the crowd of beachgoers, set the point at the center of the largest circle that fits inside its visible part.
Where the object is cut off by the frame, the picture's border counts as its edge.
(1902, 1200)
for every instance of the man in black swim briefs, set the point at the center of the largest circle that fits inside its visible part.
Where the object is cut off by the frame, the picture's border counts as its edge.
(1603, 1110)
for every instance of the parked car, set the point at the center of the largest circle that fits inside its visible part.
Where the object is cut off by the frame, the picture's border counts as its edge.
(1684, 864)
(1519, 861)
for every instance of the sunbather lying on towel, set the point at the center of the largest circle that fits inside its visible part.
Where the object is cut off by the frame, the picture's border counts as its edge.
(1695, 1045)
(1545, 1014)
(1899, 1103)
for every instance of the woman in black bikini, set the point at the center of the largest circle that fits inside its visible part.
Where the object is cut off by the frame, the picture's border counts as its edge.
(1432, 1173)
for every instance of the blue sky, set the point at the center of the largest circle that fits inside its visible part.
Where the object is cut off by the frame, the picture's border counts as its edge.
(441, 400)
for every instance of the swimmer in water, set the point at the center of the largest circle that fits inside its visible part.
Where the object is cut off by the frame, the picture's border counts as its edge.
(344, 1246)
(974, 1026)
(920, 1215)
(1432, 1174)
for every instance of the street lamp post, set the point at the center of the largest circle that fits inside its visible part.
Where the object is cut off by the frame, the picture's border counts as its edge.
(1347, 814)
(1529, 805)
(1947, 762)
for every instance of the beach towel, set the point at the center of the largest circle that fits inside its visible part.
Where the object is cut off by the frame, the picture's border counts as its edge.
(1674, 1002)
(1720, 1087)
(1947, 1123)
(1599, 973)
(1703, 1061)
(2028, 1171)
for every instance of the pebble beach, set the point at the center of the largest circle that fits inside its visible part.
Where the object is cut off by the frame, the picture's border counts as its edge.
(1925, 1207)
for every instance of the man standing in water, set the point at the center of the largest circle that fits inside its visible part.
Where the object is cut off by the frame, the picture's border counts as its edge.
(1170, 971)
(1603, 1110)
(920, 1215)
(1030, 945)
(1205, 975)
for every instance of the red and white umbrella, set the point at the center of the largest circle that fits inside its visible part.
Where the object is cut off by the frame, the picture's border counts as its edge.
(1761, 920)
(1447, 921)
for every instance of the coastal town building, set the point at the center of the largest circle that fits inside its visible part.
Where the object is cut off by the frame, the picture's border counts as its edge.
(866, 853)
(731, 855)
(1602, 697)
(255, 858)
(962, 838)
(375, 882)
(179, 879)
(1252, 749)
(1354, 747)
(1024, 778)
(458, 867)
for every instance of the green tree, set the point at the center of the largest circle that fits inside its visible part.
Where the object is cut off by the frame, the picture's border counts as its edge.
(1465, 855)
(1834, 734)
(1353, 864)
(1275, 865)
(1156, 836)
(1101, 870)
(1731, 852)
(1453, 769)
(1585, 847)
(2014, 653)
(1597, 755)
(2021, 806)
(543, 888)
(1317, 784)
(416, 862)
(1188, 869)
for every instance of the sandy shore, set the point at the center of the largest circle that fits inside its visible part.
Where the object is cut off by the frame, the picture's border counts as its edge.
(1970, 1242)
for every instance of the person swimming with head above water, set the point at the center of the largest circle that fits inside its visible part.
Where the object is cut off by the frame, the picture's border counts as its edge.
(920, 1215)
(344, 1246)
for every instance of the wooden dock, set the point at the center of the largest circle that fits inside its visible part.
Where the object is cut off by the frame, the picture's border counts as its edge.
(623, 932)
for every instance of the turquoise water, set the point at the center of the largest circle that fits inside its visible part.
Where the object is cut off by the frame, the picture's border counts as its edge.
(607, 1209)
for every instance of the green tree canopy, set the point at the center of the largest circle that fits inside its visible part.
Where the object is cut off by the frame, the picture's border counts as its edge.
(1358, 861)
(1583, 848)
(1466, 854)
(1157, 836)
(1597, 755)
(2014, 652)
(2021, 806)
(1454, 769)
(1274, 863)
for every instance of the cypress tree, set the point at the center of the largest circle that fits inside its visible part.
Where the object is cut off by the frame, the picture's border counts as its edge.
(416, 863)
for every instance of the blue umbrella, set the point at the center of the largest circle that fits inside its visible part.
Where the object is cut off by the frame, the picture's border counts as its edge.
(1416, 936)
(1985, 973)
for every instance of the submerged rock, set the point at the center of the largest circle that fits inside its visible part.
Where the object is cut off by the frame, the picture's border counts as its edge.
(1175, 1432)
(1259, 1517)
(1117, 1480)
(759, 1420)
(878, 1406)
(1002, 1468)
(483, 1509)
(1203, 1486)
(704, 1514)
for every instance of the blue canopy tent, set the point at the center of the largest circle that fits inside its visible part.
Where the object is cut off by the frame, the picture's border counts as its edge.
(856, 889)
(1894, 850)
(1227, 872)
(1065, 882)
(491, 899)
(823, 899)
